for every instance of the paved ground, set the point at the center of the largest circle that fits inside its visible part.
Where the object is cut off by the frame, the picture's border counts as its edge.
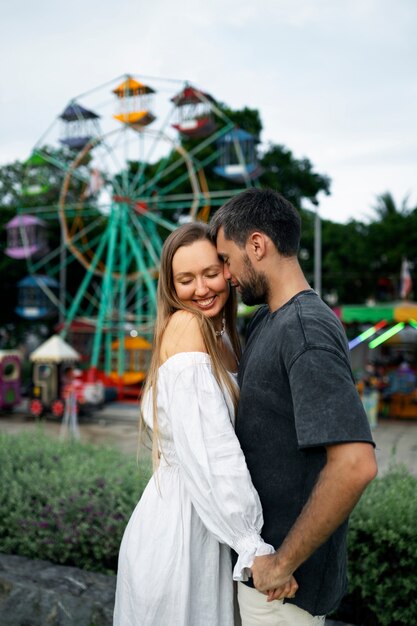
(117, 425)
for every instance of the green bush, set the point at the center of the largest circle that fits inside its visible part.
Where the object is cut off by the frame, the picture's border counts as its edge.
(382, 545)
(69, 503)
(66, 502)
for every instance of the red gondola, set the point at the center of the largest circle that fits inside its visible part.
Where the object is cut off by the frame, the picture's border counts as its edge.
(195, 117)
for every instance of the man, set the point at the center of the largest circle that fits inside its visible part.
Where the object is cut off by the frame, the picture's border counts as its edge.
(300, 421)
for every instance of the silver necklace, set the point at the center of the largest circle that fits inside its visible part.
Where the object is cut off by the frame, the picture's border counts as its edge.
(220, 333)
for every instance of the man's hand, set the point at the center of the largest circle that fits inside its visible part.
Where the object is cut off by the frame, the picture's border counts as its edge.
(287, 591)
(348, 470)
(271, 578)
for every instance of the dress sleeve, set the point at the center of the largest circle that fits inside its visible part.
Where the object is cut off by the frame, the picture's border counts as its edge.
(213, 466)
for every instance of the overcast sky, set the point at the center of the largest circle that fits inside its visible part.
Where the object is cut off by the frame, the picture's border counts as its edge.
(334, 80)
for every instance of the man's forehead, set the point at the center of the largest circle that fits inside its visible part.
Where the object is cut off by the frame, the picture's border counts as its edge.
(220, 234)
(222, 243)
(226, 246)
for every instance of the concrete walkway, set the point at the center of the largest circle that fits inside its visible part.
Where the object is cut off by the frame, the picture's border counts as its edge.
(117, 425)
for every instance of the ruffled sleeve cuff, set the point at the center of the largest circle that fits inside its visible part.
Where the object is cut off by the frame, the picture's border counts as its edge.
(248, 548)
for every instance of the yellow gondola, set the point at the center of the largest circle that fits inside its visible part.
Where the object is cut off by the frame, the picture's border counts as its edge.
(135, 101)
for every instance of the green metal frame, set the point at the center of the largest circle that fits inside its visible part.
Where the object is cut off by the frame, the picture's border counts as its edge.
(126, 240)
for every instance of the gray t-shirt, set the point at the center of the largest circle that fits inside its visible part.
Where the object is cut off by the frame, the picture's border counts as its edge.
(297, 396)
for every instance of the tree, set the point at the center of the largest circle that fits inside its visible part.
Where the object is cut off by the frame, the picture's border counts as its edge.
(386, 206)
(362, 261)
(294, 178)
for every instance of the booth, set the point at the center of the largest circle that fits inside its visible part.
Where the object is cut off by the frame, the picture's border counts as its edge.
(53, 373)
(383, 345)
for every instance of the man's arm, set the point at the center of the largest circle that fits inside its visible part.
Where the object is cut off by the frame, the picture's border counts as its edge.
(350, 467)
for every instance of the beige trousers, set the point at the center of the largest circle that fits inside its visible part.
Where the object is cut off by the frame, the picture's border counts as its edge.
(256, 611)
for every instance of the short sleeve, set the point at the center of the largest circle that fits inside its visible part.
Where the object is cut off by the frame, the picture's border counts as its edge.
(213, 467)
(327, 406)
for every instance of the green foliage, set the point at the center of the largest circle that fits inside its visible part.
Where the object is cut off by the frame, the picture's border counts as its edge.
(248, 119)
(386, 206)
(66, 502)
(69, 503)
(294, 178)
(11, 177)
(363, 260)
(382, 545)
(347, 261)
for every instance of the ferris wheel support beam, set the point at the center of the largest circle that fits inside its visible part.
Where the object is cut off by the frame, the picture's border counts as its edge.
(154, 248)
(74, 239)
(64, 167)
(158, 220)
(212, 138)
(241, 160)
(105, 301)
(93, 303)
(155, 240)
(139, 300)
(62, 278)
(184, 158)
(122, 299)
(142, 267)
(138, 177)
(84, 285)
(179, 180)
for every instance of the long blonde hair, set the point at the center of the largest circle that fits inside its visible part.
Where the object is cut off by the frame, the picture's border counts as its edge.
(167, 303)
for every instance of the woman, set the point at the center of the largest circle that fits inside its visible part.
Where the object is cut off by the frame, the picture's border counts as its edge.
(175, 564)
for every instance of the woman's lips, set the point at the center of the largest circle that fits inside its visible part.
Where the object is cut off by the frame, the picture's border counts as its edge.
(206, 303)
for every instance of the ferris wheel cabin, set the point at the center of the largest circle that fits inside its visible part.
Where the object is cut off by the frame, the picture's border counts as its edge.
(79, 127)
(36, 181)
(35, 297)
(237, 156)
(194, 111)
(26, 237)
(135, 103)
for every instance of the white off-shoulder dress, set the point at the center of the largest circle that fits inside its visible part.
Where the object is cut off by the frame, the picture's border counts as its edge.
(175, 563)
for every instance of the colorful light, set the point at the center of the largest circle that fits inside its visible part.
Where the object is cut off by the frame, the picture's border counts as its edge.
(366, 334)
(389, 333)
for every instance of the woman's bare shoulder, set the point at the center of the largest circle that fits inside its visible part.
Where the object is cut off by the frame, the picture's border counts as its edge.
(182, 334)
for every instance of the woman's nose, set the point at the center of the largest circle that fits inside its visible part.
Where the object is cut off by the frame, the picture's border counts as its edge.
(201, 287)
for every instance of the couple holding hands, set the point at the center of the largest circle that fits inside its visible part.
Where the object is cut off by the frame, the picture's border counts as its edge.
(260, 456)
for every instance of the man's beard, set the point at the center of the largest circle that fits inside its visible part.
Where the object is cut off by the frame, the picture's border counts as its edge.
(254, 287)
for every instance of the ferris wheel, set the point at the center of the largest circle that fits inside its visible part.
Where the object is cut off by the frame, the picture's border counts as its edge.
(133, 159)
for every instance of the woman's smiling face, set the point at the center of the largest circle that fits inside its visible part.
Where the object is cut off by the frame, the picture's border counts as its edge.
(198, 278)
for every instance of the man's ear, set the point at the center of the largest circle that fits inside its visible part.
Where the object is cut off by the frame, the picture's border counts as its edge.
(256, 246)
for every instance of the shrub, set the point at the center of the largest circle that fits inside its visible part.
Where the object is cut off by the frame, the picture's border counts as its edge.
(66, 502)
(382, 545)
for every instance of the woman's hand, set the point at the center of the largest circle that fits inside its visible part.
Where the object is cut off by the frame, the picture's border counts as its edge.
(285, 591)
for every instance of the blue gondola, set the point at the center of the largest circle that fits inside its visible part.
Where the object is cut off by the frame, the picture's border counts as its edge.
(237, 159)
(33, 301)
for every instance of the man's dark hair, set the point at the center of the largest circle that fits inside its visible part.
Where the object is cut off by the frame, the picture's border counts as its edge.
(259, 209)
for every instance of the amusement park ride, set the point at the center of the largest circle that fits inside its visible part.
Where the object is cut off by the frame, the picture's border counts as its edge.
(133, 160)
